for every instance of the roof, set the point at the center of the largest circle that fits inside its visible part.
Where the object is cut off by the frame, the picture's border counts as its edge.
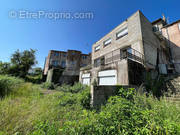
(172, 23)
(158, 20)
(57, 51)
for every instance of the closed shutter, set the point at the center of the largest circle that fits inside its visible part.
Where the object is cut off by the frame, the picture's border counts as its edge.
(86, 79)
(108, 77)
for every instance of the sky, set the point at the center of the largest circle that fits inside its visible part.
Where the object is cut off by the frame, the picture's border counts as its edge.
(49, 32)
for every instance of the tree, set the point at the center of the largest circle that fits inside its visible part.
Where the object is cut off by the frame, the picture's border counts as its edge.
(22, 62)
(4, 67)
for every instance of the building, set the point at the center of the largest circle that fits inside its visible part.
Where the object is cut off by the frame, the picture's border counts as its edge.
(122, 56)
(172, 34)
(69, 62)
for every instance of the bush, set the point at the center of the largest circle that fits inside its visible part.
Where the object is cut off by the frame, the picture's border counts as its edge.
(48, 85)
(121, 115)
(45, 128)
(68, 113)
(8, 84)
(127, 93)
(77, 87)
(85, 98)
(37, 79)
(64, 88)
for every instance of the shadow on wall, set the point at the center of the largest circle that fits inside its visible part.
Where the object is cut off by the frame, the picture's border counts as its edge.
(174, 52)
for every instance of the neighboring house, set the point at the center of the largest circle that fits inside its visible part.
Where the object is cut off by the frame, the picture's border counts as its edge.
(172, 34)
(70, 62)
(122, 56)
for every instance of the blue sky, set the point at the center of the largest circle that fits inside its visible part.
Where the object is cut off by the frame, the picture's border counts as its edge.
(79, 34)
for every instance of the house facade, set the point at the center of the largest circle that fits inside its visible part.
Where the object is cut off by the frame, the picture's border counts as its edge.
(122, 56)
(172, 34)
(69, 62)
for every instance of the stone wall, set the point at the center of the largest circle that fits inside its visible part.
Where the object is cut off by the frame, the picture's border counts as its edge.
(100, 94)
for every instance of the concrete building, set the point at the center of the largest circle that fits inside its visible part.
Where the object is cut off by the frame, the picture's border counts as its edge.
(122, 56)
(172, 34)
(69, 62)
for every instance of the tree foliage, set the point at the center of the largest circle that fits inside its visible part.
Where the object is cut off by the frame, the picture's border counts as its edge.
(20, 63)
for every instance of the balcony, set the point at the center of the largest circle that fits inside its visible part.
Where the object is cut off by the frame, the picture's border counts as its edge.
(120, 54)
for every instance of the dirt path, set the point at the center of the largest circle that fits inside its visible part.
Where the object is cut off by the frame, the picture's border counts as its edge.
(46, 92)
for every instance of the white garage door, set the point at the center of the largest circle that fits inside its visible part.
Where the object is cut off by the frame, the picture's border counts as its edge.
(86, 79)
(108, 77)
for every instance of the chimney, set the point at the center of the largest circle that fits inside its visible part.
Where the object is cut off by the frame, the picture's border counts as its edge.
(164, 19)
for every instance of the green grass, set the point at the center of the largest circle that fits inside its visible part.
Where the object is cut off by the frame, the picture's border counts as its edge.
(66, 110)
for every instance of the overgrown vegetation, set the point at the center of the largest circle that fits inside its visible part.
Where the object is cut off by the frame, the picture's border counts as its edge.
(8, 84)
(155, 86)
(26, 110)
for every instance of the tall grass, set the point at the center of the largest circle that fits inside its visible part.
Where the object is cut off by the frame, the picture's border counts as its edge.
(8, 84)
(27, 111)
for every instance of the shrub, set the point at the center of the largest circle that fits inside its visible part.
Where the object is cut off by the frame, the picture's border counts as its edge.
(45, 128)
(85, 98)
(64, 88)
(48, 85)
(126, 93)
(8, 84)
(154, 86)
(68, 99)
(142, 116)
(37, 79)
(77, 87)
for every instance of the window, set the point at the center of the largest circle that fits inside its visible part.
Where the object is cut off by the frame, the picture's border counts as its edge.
(84, 57)
(99, 61)
(126, 52)
(107, 42)
(179, 26)
(155, 28)
(55, 63)
(122, 33)
(64, 55)
(56, 54)
(63, 64)
(97, 48)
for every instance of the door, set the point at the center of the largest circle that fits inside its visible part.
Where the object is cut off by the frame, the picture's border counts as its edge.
(107, 77)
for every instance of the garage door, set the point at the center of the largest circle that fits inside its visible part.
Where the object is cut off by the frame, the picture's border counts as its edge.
(86, 79)
(108, 77)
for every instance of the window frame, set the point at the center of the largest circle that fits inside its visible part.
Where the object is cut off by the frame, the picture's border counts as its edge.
(97, 47)
(63, 64)
(56, 54)
(108, 42)
(120, 32)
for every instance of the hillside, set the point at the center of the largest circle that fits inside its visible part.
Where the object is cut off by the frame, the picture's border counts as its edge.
(30, 109)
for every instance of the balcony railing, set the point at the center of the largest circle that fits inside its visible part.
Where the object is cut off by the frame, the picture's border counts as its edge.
(119, 54)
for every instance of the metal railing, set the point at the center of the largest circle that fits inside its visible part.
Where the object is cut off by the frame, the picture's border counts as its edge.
(119, 54)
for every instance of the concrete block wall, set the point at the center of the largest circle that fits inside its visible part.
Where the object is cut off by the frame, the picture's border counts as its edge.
(133, 39)
(150, 42)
